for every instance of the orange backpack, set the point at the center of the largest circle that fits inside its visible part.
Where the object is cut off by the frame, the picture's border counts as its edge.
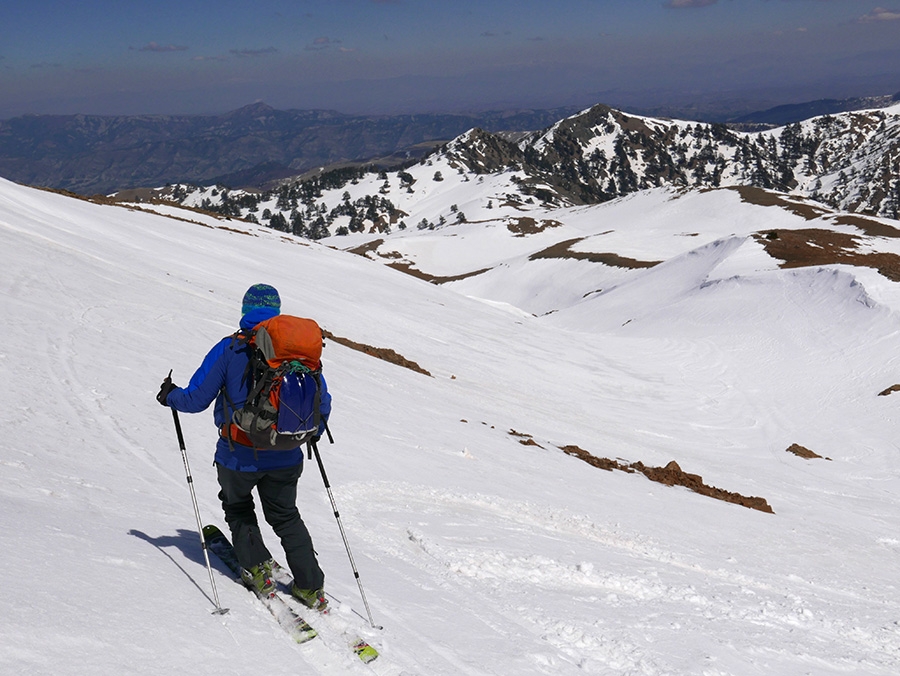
(282, 408)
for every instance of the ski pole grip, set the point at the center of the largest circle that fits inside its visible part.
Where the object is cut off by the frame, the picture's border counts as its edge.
(178, 429)
(321, 466)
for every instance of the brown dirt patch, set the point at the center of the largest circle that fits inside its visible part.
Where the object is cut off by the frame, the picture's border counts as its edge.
(296, 241)
(221, 227)
(364, 249)
(594, 461)
(525, 439)
(803, 452)
(410, 269)
(525, 225)
(796, 205)
(670, 475)
(405, 266)
(812, 247)
(563, 250)
(372, 247)
(383, 353)
(765, 198)
(869, 226)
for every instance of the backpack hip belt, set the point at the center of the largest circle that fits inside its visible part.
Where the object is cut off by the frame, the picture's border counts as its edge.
(234, 433)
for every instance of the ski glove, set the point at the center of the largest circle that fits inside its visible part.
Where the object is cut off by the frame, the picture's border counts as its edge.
(164, 389)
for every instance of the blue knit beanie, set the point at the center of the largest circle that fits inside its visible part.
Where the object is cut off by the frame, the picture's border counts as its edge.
(260, 296)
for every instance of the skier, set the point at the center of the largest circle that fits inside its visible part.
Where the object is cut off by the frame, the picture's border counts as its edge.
(240, 468)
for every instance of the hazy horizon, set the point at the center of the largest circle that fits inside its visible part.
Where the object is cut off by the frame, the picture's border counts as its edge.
(402, 56)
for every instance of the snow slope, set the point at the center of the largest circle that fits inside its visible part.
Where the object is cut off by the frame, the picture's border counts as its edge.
(480, 554)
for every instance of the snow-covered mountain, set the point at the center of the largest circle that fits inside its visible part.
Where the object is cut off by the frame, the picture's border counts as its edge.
(649, 439)
(849, 161)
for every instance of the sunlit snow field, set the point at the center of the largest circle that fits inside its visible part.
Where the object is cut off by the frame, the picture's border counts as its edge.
(480, 554)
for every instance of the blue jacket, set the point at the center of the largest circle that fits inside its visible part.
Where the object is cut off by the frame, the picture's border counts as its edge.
(224, 367)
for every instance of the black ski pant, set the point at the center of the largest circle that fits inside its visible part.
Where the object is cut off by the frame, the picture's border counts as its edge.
(277, 491)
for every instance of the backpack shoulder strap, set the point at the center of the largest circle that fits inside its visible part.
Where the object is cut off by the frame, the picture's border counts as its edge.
(241, 337)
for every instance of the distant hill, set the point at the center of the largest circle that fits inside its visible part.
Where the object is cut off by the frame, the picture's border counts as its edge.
(795, 112)
(248, 147)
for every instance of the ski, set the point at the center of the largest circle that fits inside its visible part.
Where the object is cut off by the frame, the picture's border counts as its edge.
(288, 619)
(363, 650)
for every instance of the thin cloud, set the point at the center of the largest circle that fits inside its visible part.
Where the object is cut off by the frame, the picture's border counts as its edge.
(156, 47)
(253, 53)
(322, 43)
(208, 58)
(687, 4)
(880, 14)
(44, 64)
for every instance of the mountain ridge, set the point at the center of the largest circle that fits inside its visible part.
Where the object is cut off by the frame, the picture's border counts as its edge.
(849, 162)
(254, 145)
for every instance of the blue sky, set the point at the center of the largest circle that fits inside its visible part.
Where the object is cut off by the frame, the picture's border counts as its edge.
(387, 56)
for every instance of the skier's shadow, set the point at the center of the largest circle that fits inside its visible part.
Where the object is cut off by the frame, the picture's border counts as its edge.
(189, 543)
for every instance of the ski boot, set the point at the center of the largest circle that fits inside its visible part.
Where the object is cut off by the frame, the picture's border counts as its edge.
(259, 578)
(311, 598)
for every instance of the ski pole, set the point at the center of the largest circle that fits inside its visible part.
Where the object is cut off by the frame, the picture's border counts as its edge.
(337, 517)
(190, 480)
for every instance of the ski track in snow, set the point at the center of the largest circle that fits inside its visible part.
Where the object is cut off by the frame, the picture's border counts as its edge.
(500, 589)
